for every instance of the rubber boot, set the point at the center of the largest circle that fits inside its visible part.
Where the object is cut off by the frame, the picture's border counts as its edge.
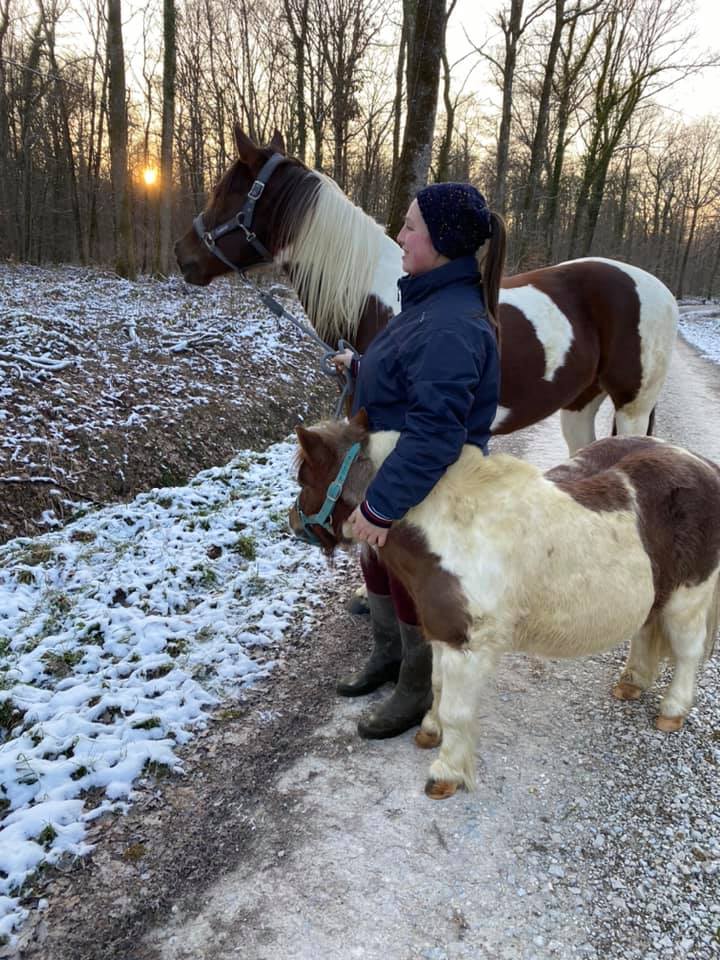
(412, 697)
(384, 662)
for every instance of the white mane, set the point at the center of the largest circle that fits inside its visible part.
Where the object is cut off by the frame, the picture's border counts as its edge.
(334, 256)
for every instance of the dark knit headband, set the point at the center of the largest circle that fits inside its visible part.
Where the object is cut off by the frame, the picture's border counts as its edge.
(457, 218)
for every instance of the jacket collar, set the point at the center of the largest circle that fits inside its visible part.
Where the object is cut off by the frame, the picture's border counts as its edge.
(460, 270)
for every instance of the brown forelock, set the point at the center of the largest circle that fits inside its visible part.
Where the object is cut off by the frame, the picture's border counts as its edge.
(438, 597)
(677, 503)
(602, 300)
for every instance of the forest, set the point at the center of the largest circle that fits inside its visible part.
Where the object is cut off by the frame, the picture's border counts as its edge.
(104, 161)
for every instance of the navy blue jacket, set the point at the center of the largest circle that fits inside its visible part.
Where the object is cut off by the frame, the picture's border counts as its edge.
(433, 374)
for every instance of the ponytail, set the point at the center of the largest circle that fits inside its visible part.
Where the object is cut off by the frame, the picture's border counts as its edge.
(492, 266)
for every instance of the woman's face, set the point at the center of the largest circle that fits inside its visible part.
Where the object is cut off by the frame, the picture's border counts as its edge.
(419, 255)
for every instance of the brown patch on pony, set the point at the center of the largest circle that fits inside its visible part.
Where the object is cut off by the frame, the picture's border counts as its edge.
(436, 593)
(677, 503)
(678, 506)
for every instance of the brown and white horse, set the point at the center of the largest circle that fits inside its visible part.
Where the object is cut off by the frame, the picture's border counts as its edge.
(620, 542)
(572, 334)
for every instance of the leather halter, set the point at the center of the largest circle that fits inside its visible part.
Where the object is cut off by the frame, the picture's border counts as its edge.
(242, 220)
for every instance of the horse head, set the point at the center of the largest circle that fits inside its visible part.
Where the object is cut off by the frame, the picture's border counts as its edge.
(333, 473)
(242, 223)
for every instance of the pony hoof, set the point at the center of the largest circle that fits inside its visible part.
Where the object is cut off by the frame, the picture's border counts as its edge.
(440, 789)
(669, 724)
(626, 691)
(426, 741)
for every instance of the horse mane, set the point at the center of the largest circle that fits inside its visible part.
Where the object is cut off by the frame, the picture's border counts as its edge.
(333, 248)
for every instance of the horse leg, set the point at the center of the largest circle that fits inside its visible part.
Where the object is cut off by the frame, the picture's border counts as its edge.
(690, 623)
(430, 733)
(578, 426)
(643, 662)
(463, 675)
(634, 421)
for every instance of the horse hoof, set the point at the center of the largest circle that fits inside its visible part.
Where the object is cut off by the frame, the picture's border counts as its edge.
(427, 741)
(626, 691)
(440, 789)
(669, 724)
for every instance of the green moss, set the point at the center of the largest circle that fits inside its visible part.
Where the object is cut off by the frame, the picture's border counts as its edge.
(46, 836)
(37, 553)
(158, 770)
(245, 546)
(135, 852)
(150, 724)
(10, 714)
(61, 664)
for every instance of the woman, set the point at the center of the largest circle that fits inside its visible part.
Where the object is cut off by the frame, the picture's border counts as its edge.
(433, 375)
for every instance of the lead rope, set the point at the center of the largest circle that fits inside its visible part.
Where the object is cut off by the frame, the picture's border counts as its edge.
(326, 365)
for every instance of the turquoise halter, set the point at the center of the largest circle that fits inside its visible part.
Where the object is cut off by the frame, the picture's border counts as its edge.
(323, 518)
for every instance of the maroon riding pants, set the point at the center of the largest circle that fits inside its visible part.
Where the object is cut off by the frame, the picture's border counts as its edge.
(378, 580)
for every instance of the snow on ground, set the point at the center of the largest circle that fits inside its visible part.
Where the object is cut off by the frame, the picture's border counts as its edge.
(118, 633)
(701, 327)
(91, 363)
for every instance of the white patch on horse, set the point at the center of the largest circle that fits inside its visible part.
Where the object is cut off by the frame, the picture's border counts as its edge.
(336, 255)
(552, 327)
(500, 417)
(387, 273)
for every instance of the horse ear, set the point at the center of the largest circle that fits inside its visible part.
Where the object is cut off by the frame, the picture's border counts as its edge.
(361, 420)
(278, 143)
(314, 446)
(247, 150)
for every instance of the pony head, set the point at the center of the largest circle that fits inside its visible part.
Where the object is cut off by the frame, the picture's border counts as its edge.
(333, 473)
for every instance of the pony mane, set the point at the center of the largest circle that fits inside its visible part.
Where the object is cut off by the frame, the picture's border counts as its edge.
(333, 251)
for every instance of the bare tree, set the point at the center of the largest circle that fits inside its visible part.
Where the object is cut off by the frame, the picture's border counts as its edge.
(166, 141)
(425, 53)
(124, 250)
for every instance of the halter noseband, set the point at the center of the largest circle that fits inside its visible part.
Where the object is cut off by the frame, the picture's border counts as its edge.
(242, 220)
(323, 517)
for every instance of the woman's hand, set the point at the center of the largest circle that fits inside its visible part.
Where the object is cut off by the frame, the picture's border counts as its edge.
(365, 531)
(342, 360)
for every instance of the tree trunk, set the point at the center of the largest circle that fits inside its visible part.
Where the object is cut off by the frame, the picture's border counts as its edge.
(427, 45)
(512, 32)
(117, 121)
(166, 140)
(538, 150)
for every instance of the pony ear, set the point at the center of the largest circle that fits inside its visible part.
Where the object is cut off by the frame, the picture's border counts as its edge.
(314, 446)
(277, 143)
(361, 420)
(247, 150)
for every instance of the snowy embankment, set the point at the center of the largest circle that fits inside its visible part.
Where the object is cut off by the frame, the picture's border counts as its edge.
(118, 633)
(700, 326)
